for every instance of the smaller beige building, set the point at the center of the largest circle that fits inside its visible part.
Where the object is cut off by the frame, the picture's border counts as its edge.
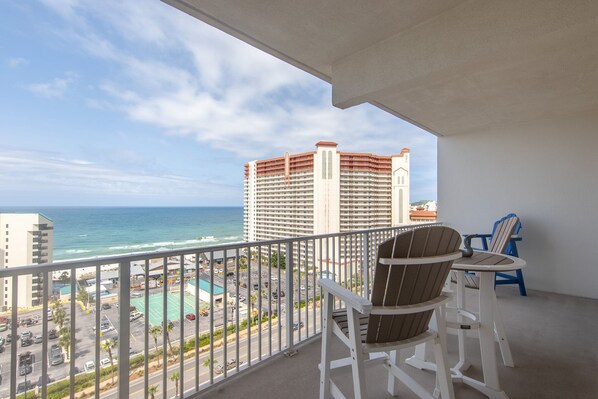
(25, 239)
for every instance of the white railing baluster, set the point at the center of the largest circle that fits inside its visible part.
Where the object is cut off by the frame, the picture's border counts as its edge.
(124, 297)
(289, 295)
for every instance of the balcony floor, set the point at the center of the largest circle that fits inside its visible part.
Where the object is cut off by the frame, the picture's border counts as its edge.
(552, 337)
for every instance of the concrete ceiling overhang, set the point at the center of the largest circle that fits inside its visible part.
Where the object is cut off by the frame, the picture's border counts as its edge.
(448, 66)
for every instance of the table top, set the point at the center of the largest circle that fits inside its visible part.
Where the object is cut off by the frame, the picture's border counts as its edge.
(489, 262)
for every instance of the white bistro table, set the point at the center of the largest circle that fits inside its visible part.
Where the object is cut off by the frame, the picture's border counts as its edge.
(485, 264)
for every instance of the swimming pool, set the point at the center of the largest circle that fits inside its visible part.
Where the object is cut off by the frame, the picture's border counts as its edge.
(156, 307)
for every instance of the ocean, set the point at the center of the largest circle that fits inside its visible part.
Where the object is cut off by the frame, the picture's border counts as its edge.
(81, 232)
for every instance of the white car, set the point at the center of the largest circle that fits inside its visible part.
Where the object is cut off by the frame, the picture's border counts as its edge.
(135, 316)
(105, 362)
(89, 366)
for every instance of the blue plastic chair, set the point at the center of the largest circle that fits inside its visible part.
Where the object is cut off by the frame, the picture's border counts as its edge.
(510, 249)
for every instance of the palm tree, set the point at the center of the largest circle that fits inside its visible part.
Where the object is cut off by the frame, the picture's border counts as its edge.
(253, 299)
(65, 340)
(152, 390)
(108, 345)
(169, 328)
(60, 317)
(55, 303)
(83, 296)
(155, 332)
(175, 377)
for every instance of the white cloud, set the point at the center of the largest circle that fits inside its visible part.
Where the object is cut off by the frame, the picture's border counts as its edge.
(55, 88)
(17, 62)
(53, 174)
(192, 80)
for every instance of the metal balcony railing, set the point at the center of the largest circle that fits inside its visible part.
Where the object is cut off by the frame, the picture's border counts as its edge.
(172, 322)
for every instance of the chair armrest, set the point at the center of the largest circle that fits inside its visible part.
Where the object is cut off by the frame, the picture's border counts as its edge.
(413, 308)
(353, 300)
(483, 238)
(420, 261)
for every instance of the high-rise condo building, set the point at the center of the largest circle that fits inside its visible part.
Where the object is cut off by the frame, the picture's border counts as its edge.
(325, 191)
(25, 239)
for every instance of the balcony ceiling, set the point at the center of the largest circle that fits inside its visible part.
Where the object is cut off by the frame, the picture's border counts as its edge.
(449, 66)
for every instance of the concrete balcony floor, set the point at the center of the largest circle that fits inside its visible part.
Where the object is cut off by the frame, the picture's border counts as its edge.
(552, 337)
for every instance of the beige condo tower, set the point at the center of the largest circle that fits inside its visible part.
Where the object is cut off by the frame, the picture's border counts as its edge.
(325, 191)
(25, 239)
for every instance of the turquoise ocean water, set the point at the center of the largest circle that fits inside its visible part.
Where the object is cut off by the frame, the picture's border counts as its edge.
(81, 232)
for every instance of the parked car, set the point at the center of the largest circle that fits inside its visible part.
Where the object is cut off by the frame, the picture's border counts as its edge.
(50, 315)
(40, 381)
(2, 341)
(52, 334)
(276, 294)
(25, 369)
(2, 349)
(26, 341)
(38, 339)
(89, 367)
(104, 327)
(30, 322)
(190, 316)
(170, 324)
(105, 362)
(55, 357)
(106, 306)
(9, 337)
(27, 334)
(297, 326)
(135, 316)
(24, 386)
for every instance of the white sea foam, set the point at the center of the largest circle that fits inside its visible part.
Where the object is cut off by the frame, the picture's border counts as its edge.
(164, 244)
(77, 251)
(229, 238)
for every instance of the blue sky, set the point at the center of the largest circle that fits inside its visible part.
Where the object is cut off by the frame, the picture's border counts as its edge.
(135, 103)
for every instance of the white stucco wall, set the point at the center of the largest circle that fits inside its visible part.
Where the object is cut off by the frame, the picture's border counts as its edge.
(546, 171)
(400, 189)
(326, 190)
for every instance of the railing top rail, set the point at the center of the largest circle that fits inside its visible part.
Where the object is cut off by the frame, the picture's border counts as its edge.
(142, 256)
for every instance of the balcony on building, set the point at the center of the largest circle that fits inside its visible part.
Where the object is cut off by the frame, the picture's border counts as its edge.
(510, 89)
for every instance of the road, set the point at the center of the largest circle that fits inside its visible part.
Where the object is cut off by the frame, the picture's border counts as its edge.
(137, 387)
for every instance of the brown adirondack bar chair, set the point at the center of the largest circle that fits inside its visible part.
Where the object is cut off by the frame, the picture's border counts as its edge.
(411, 270)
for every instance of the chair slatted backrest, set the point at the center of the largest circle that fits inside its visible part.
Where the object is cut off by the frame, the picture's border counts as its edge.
(399, 285)
(502, 232)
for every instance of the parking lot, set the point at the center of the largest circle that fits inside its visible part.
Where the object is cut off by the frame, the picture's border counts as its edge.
(84, 323)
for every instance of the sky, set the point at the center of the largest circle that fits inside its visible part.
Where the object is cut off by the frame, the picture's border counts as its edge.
(134, 103)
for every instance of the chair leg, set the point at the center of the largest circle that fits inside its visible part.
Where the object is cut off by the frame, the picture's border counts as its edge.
(326, 342)
(357, 356)
(393, 384)
(443, 374)
(522, 290)
(503, 343)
